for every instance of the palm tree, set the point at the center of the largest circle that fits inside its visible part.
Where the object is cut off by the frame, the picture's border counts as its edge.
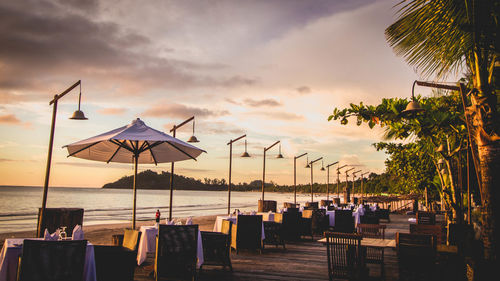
(440, 37)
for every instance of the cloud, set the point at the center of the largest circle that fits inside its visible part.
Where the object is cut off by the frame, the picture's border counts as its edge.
(9, 119)
(264, 102)
(112, 111)
(277, 115)
(218, 128)
(304, 90)
(181, 111)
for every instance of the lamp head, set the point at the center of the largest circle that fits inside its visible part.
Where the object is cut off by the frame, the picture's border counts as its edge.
(279, 156)
(308, 166)
(78, 115)
(322, 168)
(245, 154)
(413, 107)
(193, 139)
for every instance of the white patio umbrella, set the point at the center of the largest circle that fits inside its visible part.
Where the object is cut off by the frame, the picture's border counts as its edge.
(135, 143)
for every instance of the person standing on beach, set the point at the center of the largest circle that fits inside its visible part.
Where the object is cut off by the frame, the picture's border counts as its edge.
(158, 216)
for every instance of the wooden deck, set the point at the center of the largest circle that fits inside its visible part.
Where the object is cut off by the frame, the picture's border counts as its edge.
(304, 260)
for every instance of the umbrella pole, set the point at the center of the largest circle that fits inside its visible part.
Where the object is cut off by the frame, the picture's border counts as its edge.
(135, 190)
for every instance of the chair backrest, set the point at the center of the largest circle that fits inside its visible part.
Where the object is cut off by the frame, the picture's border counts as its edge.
(426, 217)
(371, 230)
(54, 218)
(343, 252)
(416, 253)
(434, 230)
(369, 218)
(226, 226)
(290, 224)
(176, 250)
(249, 231)
(131, 239)
(344, 221)
(52, 260)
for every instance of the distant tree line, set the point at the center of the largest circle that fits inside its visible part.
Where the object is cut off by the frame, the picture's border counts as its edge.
(152, 180)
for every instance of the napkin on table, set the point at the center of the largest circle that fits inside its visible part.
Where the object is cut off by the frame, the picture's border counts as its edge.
(51, 237)
(189, 221)
(77, 233)
(253, 213)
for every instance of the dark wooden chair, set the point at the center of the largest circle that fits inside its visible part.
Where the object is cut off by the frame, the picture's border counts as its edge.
(374, 255)
(371, 230)
(216, 249)
(369, 218)
(317, 220)
(118, 262)
(54, 218)
(345, 256)
(52, 260)
(273, 234)
(435, 230)
(247, 233)
(344, 221)
(383, 214)
(416, 256)
(176, 251)
(426, 217)
(290, 225)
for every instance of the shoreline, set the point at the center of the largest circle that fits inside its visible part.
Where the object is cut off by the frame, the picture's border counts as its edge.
(100, 234)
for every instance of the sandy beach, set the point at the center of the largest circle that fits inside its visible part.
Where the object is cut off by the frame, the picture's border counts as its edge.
(100, 234)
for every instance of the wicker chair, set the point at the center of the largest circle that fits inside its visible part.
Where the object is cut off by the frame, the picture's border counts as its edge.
(52, 260)
(176, 251)
(290, 225)
(216, 249)
(118, 262)
(247, 233)
(273, 234)
(344, 221)
(416, 256)
(345, 256)
(315, 222)
(426, 217)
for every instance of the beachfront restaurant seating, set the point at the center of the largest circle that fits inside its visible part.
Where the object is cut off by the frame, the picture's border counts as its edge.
(319, 221)
(435, 230)
(54, 218)
(371, 230)
(176, 252)
(118, 262)
(273, 234)
(426, 217)
(344, 221)
(247, 233)
(216, 249)
(416, 256)
(290, 224)
(373, 255)
(345, 256)
(52, 260)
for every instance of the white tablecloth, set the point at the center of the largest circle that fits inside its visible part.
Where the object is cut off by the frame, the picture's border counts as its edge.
(218, 224)
(9, 257)
(331, 215)
(147, 244)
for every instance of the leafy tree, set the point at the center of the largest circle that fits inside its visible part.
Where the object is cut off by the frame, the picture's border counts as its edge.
(443, 36)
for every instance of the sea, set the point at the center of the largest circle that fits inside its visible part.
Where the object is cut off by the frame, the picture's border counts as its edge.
(19, 204)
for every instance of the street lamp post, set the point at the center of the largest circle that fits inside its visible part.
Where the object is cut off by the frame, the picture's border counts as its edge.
(348, 195)
(338, 180)
(77, 115)
(328, 179)
(353, 177)
(245, 154)
(311, 164)
(191, 139)
(264, 167)
(295, 177)
(362, 180)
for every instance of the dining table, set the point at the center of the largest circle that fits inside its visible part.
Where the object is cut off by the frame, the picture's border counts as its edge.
(147, 244)
(356, 214)
(12, 250)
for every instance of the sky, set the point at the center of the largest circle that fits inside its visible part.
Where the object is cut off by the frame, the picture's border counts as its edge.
(270, 69)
